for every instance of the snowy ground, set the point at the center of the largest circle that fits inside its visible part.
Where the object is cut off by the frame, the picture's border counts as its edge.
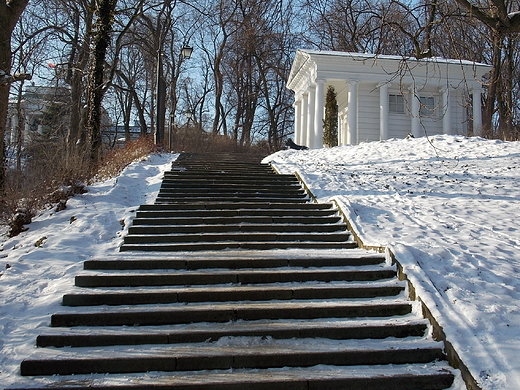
(34, 279)
(447, 207)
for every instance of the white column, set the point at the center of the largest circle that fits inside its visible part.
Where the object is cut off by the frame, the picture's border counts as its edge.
(446, 109)
(342, 137)
(383, 110)
(318, 116)
(297, 121)
(303, 119)
(415, 112)
(477, 111)
(310, 117)
(14, 128)
(352, 111)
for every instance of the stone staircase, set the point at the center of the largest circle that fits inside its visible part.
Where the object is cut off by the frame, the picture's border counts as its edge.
(224, 284)
(219, 204)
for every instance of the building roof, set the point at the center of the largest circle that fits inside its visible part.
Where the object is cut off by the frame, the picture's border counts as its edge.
(313, 64)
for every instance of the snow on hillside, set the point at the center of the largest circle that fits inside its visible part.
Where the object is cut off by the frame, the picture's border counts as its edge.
(448, 207)
(34, 278)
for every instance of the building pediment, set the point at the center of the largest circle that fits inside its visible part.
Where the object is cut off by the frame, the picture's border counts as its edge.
(309, 65)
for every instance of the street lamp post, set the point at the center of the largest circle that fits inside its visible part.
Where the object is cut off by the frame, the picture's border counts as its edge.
(170, 133)
(186, 52)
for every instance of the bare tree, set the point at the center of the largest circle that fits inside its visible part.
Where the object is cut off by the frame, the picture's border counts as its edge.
(10, 12)
(97, 84)
(104, 13)
(79, 16)
(215, 38)
(503, 23)
(408, 29)
(343, 25)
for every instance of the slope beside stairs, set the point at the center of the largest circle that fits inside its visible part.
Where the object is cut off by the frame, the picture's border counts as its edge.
(233, 279)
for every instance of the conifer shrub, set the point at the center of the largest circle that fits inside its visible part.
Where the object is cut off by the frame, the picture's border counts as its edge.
(330, 123)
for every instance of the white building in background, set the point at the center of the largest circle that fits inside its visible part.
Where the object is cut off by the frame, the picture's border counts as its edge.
(381, 97)
(36, 100)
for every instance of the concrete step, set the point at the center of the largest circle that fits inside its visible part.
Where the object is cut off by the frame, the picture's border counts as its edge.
(234, 261)
(219, 165)
(216, 182)
(233, 164)
(287, 292)
(237, 224)
(215, 196)
(214, 357)
(218, 157)
(201, 332)
(253, 206)
(144, 228)
(261, 237)
(231, 178)
(227, 276)
(212, 181)
(181, 184)
(225, 212)
(235, 245)
(227, 190)
(225, 312)
(197, 196)
(244, 170)
(432, 376)
(237, 220)
(213, 218)
(225, 199)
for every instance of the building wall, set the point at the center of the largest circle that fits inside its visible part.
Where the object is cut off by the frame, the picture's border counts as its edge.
(368, 113)
(400, 123)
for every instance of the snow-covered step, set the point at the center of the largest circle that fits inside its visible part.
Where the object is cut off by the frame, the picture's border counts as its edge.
(232, 353)
(225, 198)
(233, 177)
(378, 328)
(240, 259)
(224, 186)
(235, 293)
(342, 236)
(232, 189)
(252, 276)
(247, 220)
(224, 312)
(238, 207)
(432, 376)
(253, 192)
(168, 228)
(201, 211)
(236, 245)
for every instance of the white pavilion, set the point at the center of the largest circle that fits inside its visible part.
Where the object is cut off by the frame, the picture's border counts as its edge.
(381, 97)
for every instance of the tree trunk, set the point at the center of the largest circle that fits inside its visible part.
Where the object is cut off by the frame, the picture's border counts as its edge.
(10, 12)
(505, 97)
(493, 88)
(103, 32)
